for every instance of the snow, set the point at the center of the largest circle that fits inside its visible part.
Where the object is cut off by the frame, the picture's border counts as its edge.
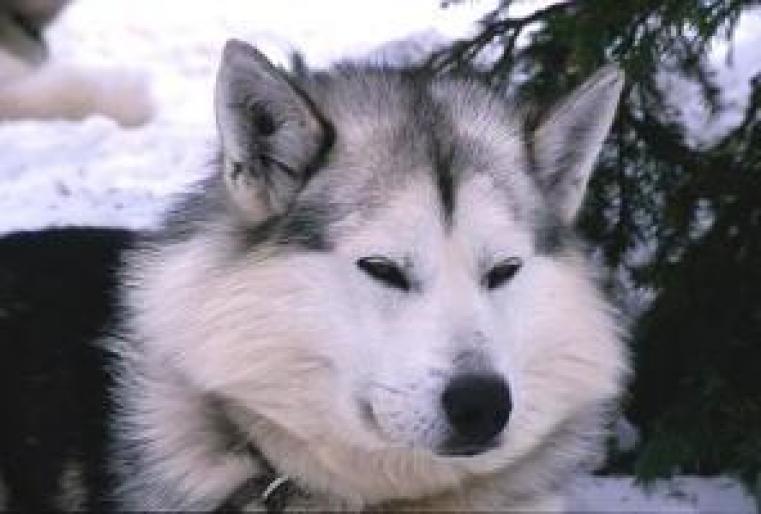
(733, 65)
(685, 495)
(95, 172)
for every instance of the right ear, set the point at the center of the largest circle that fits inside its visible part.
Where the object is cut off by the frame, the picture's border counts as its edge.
(269, 130)
(567, 141)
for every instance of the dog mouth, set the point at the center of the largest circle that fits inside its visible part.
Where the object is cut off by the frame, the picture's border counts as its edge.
(373, 424)
(455, 447)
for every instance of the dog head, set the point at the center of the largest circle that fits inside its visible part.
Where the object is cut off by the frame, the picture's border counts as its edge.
(389, 281)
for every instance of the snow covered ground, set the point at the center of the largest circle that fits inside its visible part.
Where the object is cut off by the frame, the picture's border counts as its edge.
(95, 172)
(685, 495)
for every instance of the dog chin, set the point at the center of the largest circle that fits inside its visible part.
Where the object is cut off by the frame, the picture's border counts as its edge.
(482, 458)
(447, 448)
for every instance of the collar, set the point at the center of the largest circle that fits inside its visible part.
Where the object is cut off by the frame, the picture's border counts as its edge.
(268, 487)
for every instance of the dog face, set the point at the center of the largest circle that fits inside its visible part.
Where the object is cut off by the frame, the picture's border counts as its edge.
(404, 290)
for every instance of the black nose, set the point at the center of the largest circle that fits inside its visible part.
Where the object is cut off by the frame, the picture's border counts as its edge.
(477, 407)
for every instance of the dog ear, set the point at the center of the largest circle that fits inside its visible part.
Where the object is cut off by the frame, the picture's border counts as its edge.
(566, 143)
(269, 130)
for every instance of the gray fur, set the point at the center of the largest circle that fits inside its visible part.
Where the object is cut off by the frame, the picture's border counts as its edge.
(352, 174)
(270, 132)
(418, 132)
(566, 142)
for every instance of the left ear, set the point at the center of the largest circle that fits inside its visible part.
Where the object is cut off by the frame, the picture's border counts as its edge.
(566, 143)
(269, 129)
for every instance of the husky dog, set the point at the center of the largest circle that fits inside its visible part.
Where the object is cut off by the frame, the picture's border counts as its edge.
(377, 303)
(32, 87)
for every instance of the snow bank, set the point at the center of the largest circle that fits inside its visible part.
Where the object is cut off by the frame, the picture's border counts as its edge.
(686, 495)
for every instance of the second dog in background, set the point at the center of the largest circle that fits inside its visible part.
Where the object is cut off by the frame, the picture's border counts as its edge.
(32, 86)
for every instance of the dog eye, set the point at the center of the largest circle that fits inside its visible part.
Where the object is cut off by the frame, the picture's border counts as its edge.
(502, 272)
(385, 271)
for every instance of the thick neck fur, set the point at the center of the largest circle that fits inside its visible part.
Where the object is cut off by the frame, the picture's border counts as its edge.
(185, 453)
(177, 452)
